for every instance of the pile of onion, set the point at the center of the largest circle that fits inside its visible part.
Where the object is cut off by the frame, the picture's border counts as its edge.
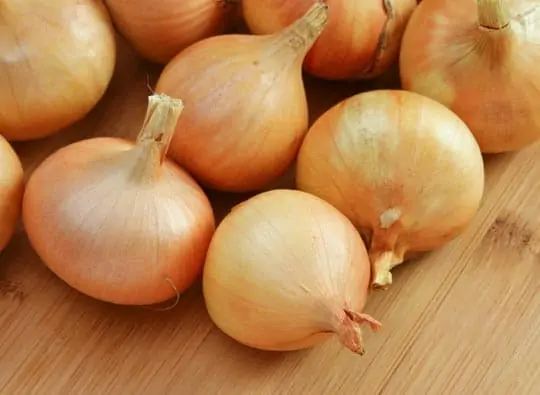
(117, 220)
(479, 58)
(285, 270)
(11, 191)
(362, 39)
(57, 59)
(404, 168)
(160, 29)
(246, 108)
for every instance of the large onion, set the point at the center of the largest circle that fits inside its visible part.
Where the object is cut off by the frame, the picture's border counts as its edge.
(117, 220)
(479, 58)
(246, 109)
(284, 271)
(57, 58)
(405, 169)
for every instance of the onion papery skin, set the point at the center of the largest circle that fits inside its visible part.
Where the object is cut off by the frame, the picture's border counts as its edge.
(487, 75)
(361, 41)
(57, 58)
(246, 108)
(11, 191)
(284, 271)
(402, 167)
(160, 29)
(117, 221)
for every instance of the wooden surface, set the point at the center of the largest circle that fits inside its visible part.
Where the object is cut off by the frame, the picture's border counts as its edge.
(462, 320)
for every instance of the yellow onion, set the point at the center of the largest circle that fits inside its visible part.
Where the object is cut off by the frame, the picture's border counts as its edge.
(284, 271)
(11, 191)
(479, 58)
(117, 220)
(160, 29)
(57, 58)
(246, 109)
(362, 38)
(404, 168)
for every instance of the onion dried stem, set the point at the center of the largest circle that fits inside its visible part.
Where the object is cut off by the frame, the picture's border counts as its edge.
(302, 34)
(493, 14)
(158, 128)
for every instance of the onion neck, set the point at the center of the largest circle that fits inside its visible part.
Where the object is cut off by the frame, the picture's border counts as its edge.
(153, 141)
(493, 14)
(349, 330)
(302, 34)
(382, 263)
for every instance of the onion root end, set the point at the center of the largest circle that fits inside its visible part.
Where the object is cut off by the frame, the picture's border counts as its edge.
(350, 333)
(171, 306)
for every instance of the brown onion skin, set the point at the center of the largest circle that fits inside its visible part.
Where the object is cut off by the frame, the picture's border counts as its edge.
(11, 191)
(198, 125)
(390, 151)
(57, 59)
(160, 29)
(360, 41)
(302, 263)
(488, 76)
(246, 109)
(112, 263)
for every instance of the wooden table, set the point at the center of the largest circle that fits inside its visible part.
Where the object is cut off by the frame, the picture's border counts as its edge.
(463, 320)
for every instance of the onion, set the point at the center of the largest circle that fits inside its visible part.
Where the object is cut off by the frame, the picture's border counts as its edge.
(160, 29)
(479, 58)
(116, 220)
(11, 191)
(361, 40)
(57, 59)
(284, 271)
(246, 109)
(405, 169)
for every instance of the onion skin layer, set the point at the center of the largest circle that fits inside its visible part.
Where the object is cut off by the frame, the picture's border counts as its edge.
(246, 108)
(11, 191)
(57, 58)
(403, 168)
(487, 75)
(117, 221)
(284, 271)
(361, 41)
(160, 29)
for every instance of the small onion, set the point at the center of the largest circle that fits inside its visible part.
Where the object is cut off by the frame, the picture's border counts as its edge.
(116, 220)
(362, 38)
(284, 271)
(246, 109)
(160, 29)
(405, 169)
(11, 191)
(479, 58)
(57, 58)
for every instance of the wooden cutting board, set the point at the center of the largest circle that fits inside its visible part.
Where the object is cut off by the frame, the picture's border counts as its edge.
(461, 320)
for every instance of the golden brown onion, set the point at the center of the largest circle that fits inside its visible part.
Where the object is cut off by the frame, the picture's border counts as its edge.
(405, 169)
(57, 58)
(246, 109)
(116, 220)
(479, 58)
(286, 270)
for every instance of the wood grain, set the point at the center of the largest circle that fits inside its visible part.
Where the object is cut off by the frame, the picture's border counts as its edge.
(462, 320)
